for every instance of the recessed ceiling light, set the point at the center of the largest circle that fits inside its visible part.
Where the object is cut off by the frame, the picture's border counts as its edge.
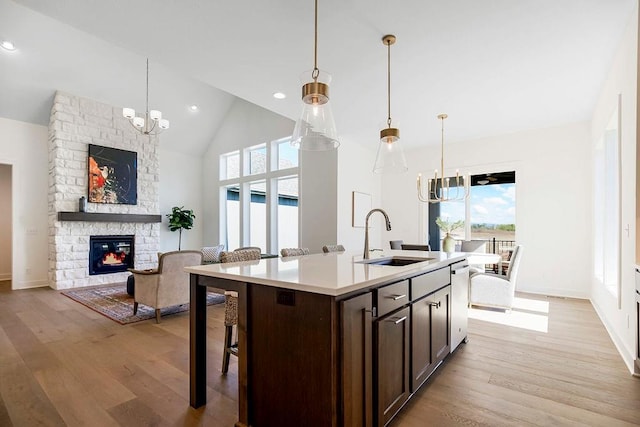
(279, 95)
(193, 108)
(7, 45)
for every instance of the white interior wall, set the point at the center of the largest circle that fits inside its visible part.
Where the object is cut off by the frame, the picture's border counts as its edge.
(318, 214)
(553, 199)
(5, 224)
(355, 165)
(24, 147)
(180, 185)
(622, 79)
(244, 125)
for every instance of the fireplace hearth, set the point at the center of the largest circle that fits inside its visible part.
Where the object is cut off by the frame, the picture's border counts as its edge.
(110, 254)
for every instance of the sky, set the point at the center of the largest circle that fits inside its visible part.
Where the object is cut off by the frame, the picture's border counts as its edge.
(491, 204)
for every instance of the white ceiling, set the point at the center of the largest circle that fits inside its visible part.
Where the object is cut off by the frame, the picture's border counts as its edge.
(495, 66)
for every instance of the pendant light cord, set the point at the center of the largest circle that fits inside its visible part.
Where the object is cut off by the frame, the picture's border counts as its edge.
(389, 84)
(147, 85)
(442, 153)
(315, 72)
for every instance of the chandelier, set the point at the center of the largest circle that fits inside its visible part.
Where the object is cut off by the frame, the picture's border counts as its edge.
(315, 130)
(390, 157)
(152, 123)
(439, 188)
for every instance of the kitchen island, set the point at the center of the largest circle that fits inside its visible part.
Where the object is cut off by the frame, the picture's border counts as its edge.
(326, 339)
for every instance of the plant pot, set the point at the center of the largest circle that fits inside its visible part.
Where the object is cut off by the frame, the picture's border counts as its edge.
(448, 244)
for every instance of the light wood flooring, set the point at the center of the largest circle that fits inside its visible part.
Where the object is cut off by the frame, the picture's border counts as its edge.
(63, 364)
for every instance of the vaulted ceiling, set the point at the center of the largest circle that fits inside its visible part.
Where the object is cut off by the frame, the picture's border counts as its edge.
(495, 66)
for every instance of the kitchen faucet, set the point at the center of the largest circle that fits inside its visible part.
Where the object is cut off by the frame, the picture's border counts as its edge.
(366, 229)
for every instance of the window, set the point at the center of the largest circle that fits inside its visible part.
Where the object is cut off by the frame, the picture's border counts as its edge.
(607, 206)
(488, 213)
(259, 202)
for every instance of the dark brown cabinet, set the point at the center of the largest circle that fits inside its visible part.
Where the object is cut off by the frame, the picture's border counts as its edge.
(357, 363)
(391, 360)
(430, 334)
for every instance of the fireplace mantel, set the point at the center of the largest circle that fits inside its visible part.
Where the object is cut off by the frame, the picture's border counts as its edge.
(107, 217)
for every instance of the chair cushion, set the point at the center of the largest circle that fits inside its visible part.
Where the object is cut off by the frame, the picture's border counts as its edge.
(212, 253)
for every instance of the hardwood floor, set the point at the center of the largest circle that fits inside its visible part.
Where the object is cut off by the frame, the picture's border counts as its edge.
(63, 364)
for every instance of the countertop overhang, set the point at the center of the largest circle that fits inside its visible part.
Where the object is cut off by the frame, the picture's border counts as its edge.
(333, 274)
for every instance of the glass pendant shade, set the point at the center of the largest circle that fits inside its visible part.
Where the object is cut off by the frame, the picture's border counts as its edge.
(390, 157)
(315, 130)
(155, 115)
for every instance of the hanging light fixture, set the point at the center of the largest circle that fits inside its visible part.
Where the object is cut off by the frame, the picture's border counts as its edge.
(152, 123)
(315, 130)
(439, 188)
(390, 157)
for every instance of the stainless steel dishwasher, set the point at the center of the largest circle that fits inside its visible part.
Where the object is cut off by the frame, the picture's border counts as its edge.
(459, 303)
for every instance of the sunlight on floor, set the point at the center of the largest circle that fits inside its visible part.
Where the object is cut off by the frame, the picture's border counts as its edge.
(521, 315)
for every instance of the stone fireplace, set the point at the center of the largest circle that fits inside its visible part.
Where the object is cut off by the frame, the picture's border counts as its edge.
(75, 123)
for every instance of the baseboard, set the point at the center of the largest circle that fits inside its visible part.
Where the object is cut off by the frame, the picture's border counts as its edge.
(31, 284)
(627, 357)
(5, 276)
(546, 292)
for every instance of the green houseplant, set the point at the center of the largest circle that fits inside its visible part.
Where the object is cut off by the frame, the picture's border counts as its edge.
(448, 243)
(179, 219)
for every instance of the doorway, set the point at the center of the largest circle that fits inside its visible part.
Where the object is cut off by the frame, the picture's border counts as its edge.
(6, 220)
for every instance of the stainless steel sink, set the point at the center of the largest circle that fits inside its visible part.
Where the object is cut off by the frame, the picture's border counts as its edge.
(397, 261)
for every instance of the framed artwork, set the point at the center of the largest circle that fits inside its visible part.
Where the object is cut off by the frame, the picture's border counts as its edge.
(113, 175)
(360, 207)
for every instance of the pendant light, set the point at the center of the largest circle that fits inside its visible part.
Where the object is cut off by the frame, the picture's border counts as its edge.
(441, 191)
(390, 157)
(152, 123)
(315, 130)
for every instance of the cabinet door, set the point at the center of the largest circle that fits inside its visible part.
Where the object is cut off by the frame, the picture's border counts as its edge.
(392, 364)
(440, 314)
(356, 339)
(422, 366)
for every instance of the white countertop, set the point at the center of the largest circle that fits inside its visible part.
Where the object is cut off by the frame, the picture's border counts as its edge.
(329, 274)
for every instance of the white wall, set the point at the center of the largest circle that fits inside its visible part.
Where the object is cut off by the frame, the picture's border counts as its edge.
(244, 125)
(622, 79)
(355, 165)
(5, 223)
(553, 199)
(24, 146)
(181, 185)
(318, 199)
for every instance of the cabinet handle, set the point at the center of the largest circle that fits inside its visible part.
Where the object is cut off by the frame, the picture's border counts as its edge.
(397, 297)
(435, 304)
(397, 320)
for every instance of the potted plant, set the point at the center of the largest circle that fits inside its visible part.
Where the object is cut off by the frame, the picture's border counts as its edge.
(180, 218)
(447, 227)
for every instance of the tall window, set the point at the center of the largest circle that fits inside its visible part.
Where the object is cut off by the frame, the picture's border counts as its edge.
(607, 206)
(259, 197)
(488, 213)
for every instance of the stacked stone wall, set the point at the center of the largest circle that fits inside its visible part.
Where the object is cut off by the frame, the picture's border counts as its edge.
(75, 123)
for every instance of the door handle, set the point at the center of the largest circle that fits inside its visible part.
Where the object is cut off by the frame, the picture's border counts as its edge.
(435, 304)
(397, 320)
(397, 297)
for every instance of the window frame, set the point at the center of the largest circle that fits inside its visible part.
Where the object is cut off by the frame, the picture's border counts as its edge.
(270, 177)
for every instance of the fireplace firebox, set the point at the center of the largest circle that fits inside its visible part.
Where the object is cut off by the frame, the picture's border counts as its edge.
(110, 254)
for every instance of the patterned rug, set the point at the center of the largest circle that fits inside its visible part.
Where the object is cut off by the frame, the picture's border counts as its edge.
(113, 302)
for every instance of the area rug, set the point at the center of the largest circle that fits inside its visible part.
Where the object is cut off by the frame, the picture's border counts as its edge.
(113, 302)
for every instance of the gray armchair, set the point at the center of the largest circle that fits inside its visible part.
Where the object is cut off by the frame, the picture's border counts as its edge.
(168, 285)
(493, 290)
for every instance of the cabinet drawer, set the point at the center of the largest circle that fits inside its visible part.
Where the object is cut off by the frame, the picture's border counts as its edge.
(392, 297)
(430, 282)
